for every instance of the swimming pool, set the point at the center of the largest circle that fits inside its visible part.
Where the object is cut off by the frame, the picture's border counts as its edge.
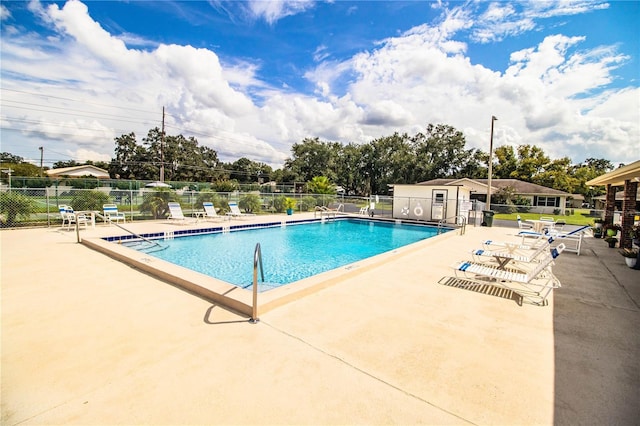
(228, 295)
(290, 253)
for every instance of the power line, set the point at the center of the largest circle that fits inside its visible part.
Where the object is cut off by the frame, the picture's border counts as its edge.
(227, 137)
(75, 100)
(78, 113)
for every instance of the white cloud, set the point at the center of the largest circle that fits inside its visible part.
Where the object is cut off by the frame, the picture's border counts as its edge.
(550, 96)
(502, 19)
(4, 13)
(274, 10)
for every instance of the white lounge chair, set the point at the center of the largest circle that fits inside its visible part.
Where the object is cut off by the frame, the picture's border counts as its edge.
(210, 212)
(534, 285)
(572, 239)
(235, 211)
(503, 258)
(111, 214)
(536, 241)
(175, 212)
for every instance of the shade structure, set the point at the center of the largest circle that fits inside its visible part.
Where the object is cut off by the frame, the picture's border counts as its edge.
(158, 185)
(618, 176)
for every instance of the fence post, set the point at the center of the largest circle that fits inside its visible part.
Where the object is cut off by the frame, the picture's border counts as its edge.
(46, 194)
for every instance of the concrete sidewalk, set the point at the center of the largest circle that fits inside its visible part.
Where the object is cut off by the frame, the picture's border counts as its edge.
(88, 340)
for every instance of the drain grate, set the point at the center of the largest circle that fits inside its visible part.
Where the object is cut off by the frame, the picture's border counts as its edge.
(483, 288)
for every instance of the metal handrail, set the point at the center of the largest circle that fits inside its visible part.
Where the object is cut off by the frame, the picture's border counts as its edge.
(121, 227)
(463, 220)
(257, 260)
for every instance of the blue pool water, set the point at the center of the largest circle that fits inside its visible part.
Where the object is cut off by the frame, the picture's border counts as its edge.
(289, 253)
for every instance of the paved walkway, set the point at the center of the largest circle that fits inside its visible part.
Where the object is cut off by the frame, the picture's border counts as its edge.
(88, 340)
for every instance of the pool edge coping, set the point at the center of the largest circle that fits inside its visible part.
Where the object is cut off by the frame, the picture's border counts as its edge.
(237, 298)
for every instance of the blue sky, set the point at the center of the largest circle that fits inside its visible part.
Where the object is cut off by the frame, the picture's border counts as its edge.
(250, 78)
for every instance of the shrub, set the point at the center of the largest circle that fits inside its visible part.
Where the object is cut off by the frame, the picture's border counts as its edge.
(157, 202)
(278, 203)
(507, 208)
(225, 186)
(307, 203)
(212, 197)
(13, 205)
(250, 203)
(89, 200)
(290, 203)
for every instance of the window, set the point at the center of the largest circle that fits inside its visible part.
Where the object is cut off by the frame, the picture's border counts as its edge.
(547, 201)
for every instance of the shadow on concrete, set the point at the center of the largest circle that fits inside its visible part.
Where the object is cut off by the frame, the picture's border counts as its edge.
(597, 338)
(482, 288)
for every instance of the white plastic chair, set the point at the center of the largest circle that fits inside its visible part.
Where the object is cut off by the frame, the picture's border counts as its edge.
(111, 214)
(69, 217)
(523, 225)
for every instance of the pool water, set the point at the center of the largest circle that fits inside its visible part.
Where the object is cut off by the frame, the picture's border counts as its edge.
(289, 253)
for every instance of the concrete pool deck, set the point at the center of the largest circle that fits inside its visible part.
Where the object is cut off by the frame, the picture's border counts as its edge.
(89, 340)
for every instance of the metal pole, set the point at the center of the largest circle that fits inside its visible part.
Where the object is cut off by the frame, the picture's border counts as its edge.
(162, 149)
(75, 214)
(257, 262)
(493, 118)
(41, 157)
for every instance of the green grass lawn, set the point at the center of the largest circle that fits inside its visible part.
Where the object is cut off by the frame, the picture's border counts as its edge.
(579, 217)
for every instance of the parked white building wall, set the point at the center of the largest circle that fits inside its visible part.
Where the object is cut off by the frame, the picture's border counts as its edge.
(430, 203)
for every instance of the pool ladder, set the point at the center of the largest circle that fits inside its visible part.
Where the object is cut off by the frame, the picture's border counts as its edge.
(257, 261)
(459, 220)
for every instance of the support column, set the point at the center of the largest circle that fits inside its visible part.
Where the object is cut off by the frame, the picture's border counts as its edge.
(628, 212)
(610, 205)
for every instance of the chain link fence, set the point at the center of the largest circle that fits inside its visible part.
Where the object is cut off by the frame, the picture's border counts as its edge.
(20, 207)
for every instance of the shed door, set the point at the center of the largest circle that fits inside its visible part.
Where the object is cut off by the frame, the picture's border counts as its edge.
(438, 204)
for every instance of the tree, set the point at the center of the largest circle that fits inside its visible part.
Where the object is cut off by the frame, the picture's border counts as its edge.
(599, 165)
(532, 161)
(247, 171)
(124, 164)
(557, 175)
(7, 157)
(22, 169)
(507, 162)
(350, 169)
(63, 164)
(313, 158)
(393, 162)
(321, 185)
(440, 152)
(155, 155)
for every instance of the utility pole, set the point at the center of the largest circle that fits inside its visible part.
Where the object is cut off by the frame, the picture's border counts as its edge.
(41, 156)
(493, 119)
(162, 149)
